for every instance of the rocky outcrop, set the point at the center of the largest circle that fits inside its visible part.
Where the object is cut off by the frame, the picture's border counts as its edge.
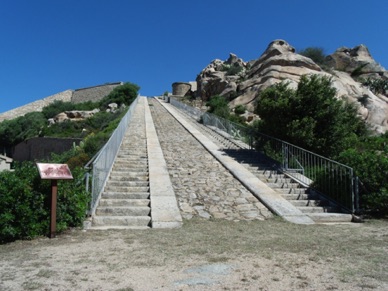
(74, 115)
(241, 82)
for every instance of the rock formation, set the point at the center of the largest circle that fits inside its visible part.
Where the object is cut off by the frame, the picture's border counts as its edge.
(74, 115)
(241, 82)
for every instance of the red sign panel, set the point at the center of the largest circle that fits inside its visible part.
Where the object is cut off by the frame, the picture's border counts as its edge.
(54, 171)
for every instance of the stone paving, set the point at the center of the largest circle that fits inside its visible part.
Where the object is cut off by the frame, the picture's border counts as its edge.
(204, 188)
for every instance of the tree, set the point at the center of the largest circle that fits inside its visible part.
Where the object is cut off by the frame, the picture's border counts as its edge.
(310, 116)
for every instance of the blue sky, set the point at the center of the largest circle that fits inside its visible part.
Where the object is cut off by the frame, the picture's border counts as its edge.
(48, 46)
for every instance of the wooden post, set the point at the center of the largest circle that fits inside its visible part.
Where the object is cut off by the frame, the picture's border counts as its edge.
(53, 210)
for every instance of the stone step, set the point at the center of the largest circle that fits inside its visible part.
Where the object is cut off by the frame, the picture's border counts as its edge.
(306, 202)
(298, 196)
(126, 189)
(286, 191)
(131, 158)
(114, 183)
(284, 185)
(108, 227)
(331, 217)
(121, 221)
(126, 177)
(133, 172)
(317, 209)
(124, 202)
(125, 195)
(126, 163)
(123, 211)
(131, 152)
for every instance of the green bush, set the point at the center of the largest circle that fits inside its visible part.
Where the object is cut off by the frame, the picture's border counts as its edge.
(123, 94)
(19, 129)
(57, 107)
(240, 109)
(25, 209)
(317, 54)
(369, 158)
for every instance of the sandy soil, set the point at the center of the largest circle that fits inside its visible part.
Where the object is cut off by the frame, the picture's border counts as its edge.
(135, 260)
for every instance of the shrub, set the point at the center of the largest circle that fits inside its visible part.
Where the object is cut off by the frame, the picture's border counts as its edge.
(240, 109)
(24, 207)
(377, 86)
(57, 107)
(123, 94)
(317, 54)
(369, 158)
(16, 130)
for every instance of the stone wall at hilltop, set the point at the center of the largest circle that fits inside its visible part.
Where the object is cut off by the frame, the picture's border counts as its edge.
(94, 93)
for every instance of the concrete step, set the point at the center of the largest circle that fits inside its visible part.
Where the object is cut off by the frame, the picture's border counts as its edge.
(121, 221)
(124, 202)
(123, 211)
(125, 195)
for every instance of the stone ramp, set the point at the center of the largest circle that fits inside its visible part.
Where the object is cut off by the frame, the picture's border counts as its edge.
(203, 186)
(258, 189)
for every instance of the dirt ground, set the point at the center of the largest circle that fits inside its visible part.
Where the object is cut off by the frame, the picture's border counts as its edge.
(204, 255)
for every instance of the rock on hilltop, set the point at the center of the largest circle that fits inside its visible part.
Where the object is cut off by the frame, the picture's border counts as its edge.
(241, 82)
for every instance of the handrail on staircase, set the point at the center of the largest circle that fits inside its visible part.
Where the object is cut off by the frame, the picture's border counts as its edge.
(336, 181)
(101, 164)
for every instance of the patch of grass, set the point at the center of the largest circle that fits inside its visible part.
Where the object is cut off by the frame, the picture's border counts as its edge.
(44, 273)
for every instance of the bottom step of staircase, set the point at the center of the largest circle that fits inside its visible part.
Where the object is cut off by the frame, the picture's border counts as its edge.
(330, 217)
(121, 222)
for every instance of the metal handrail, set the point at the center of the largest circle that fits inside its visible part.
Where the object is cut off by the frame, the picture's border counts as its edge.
(102, 163)
(336, 181)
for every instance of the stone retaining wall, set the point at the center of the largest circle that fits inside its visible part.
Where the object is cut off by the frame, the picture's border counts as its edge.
(94, 94)
(38, 105)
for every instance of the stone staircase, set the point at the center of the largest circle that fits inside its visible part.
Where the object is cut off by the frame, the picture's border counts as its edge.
(125, 201)
(311, 203)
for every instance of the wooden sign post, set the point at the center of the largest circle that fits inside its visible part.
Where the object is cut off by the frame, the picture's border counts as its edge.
(54, 172)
